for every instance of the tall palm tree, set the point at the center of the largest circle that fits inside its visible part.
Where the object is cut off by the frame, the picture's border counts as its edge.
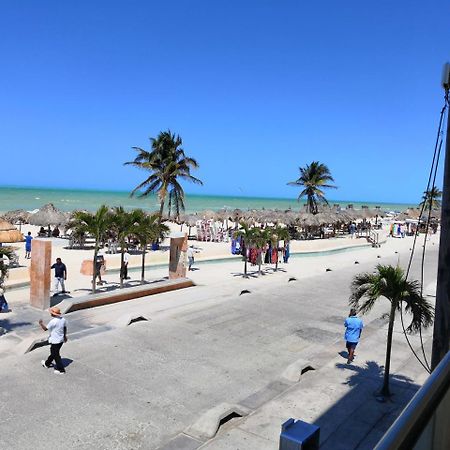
(390, 282)
(313, 178)
(167, 164)
(431, 198)
(96, 225)
(4, 268)
(147, 230)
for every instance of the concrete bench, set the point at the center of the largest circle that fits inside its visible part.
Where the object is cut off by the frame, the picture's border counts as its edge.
(121, 295)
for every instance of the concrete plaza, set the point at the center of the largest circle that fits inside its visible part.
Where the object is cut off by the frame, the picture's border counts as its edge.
(207, 350)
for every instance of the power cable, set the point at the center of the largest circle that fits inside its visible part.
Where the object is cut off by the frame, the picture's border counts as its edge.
(432, 176)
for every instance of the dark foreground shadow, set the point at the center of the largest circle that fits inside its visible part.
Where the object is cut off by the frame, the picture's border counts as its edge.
(357, 420)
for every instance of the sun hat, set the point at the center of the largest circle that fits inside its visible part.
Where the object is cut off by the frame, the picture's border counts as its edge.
(55, 311)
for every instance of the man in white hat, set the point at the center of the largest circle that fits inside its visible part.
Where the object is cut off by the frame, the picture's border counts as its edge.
(58, 335)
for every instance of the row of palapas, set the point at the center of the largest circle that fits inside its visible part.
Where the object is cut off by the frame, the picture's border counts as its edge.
(50, 215)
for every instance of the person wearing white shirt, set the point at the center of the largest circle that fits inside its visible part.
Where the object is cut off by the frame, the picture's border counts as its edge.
(58, 335)
(126, 259)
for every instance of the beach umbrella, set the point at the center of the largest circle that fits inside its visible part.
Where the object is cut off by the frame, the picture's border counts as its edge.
(310, 220)
(9, 233)
(208, 214)
(16, 216)
(190, 219)
(49, 215)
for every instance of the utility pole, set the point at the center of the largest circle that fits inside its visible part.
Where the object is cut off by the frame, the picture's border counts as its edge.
(441, 333)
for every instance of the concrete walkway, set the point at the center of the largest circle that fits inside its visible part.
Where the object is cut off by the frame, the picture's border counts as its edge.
(158, 383)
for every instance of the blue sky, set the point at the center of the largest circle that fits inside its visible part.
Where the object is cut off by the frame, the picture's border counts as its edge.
(256, 88)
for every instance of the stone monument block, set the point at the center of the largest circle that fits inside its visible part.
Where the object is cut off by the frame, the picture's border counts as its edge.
(41, 260)
(178, 255)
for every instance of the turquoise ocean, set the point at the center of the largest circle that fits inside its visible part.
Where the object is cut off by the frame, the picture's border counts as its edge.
(31, 199)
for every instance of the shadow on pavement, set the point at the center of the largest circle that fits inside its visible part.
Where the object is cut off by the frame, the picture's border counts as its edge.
(9, 325)
(357, 420)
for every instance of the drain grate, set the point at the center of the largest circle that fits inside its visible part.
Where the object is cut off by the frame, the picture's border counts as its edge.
(138, 319)
(245, 291)
(306, 369)
(227, 418)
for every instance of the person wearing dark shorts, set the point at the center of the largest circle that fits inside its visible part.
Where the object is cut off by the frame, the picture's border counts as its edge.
(353, 329)
(28, 239)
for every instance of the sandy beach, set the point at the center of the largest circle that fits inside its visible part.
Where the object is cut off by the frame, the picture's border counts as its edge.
(207, 251)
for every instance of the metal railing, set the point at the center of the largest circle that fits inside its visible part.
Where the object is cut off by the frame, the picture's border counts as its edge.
(425, 422)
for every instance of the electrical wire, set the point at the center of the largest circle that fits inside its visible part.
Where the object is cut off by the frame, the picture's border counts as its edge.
(431, 182)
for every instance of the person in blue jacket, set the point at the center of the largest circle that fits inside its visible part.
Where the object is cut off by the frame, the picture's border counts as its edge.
(28, 239)
(353, 329)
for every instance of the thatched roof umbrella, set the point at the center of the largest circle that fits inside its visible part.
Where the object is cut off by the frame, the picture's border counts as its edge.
(326, 218)
(190, 219)
(223, 214)
(310, 220)
(17, 216)
(207, 214)
(49, 215)
(9, 233)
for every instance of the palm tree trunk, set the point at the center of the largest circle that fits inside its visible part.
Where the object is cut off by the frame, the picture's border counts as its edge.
(143, 264)
(276, 262)
(121, 265)
(385, 389)
(161, 209)
(94, 267)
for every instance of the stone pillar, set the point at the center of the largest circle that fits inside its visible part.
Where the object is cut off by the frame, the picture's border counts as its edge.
(178, 255)
(41, 260)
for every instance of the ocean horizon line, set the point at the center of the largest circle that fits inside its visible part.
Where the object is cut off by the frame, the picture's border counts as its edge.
(199, 196)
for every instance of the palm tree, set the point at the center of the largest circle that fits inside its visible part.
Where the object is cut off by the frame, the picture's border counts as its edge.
(147, 230)
(247, 234)
(390, 282)
(4, 268)
(167, 164)
(279, 234)
(431, 198)
(313, 178)
(97, 225)
(124, 223)
(259, 240)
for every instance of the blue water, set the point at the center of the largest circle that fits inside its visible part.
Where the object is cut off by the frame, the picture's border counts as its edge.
(67, 200)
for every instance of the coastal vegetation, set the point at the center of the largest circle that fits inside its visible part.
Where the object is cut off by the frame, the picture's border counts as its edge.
(96, 225)
(431, 198)
(168, 166)
(390, 282)
(147, 229)
(313, 179)
(258, 237)
(124, 225)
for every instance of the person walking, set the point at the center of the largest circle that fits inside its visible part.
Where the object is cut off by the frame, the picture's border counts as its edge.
(58, 336)
(60, 276)
(190, 254)
(353, 329)
(126, 260)
(28, 239)
(4, 308)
